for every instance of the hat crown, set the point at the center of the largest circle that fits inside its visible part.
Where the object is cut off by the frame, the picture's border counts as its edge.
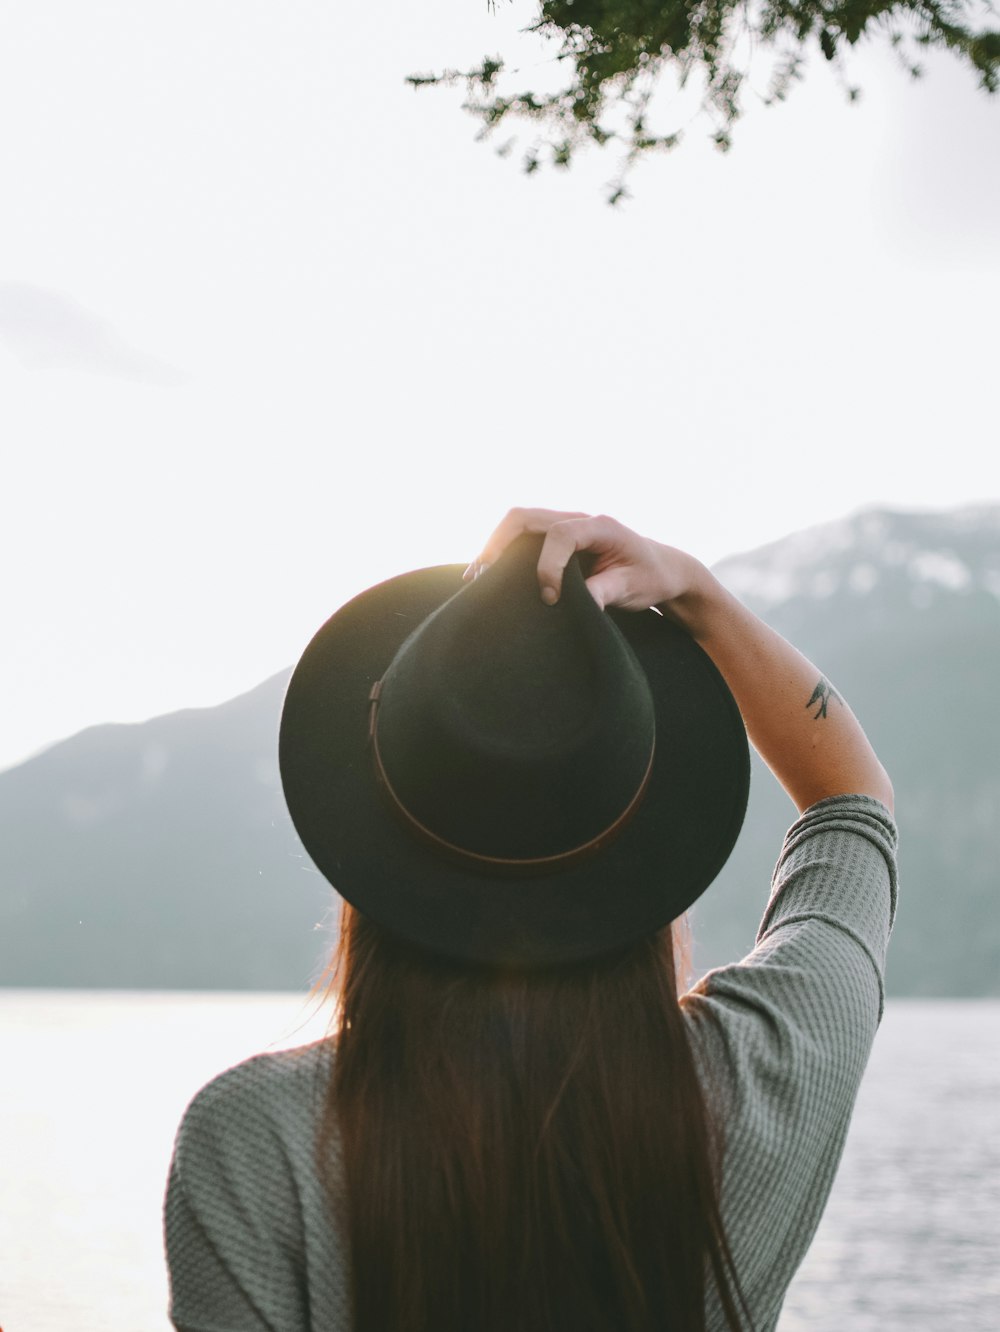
(511, 730)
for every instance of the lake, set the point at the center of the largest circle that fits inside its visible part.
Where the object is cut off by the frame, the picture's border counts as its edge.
(94, 1084)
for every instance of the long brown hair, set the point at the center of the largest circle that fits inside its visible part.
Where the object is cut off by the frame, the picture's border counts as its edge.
(523, 1151)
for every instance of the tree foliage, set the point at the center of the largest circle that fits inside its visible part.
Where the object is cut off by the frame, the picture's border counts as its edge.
(615, 53)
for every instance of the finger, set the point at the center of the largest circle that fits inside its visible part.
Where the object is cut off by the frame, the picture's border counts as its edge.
(474, 571)
(611, 587)
(514, 524)
(563, 540)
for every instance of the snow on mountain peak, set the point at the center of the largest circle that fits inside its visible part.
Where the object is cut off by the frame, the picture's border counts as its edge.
(942, 567)
(953, 552)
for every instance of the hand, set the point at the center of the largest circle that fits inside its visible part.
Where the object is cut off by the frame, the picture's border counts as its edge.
(629, 570)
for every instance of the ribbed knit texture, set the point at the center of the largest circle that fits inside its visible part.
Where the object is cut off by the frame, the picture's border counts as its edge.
(780, 1040)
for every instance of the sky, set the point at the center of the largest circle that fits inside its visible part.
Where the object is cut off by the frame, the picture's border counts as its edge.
(274, 326)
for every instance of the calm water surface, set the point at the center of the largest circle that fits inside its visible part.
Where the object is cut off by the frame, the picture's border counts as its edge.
(94, 1085)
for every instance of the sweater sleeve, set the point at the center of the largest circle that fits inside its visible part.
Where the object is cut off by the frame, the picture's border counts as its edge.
(232, 1218)
(838, 866)
(820, 951)
(782, 1037)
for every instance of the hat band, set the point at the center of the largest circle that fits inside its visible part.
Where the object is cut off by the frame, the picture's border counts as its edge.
(561, 860)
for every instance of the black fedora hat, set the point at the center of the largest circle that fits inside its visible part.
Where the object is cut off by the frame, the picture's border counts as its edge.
(508, 782)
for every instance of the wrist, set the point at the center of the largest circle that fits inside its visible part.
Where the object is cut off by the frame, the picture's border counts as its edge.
(695, 604)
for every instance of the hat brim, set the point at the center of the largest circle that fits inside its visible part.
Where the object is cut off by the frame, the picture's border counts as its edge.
(668, 853)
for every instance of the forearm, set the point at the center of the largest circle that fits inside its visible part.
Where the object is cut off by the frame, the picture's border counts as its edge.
(801, 727)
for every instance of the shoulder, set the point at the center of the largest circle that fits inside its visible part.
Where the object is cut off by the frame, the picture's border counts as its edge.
(264, 1081)
(246, 1219)
(263, 1085)
(260, 1112)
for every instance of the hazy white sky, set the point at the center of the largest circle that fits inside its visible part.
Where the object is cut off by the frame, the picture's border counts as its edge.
(273, 326)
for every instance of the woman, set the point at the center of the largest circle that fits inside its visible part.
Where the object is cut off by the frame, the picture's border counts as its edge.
(518, 785)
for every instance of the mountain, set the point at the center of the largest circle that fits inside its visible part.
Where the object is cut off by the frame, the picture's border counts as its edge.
(902, 612)
(160, 855)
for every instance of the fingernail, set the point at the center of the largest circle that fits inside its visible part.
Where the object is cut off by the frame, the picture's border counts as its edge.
(550, 596)
(481, 567)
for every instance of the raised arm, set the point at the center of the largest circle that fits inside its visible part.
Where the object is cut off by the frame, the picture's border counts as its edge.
(801, 727)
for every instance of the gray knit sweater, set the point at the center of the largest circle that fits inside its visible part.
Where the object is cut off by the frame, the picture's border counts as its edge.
(780, 1039)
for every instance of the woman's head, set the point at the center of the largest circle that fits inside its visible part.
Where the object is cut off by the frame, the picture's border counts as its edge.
(506, 781)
